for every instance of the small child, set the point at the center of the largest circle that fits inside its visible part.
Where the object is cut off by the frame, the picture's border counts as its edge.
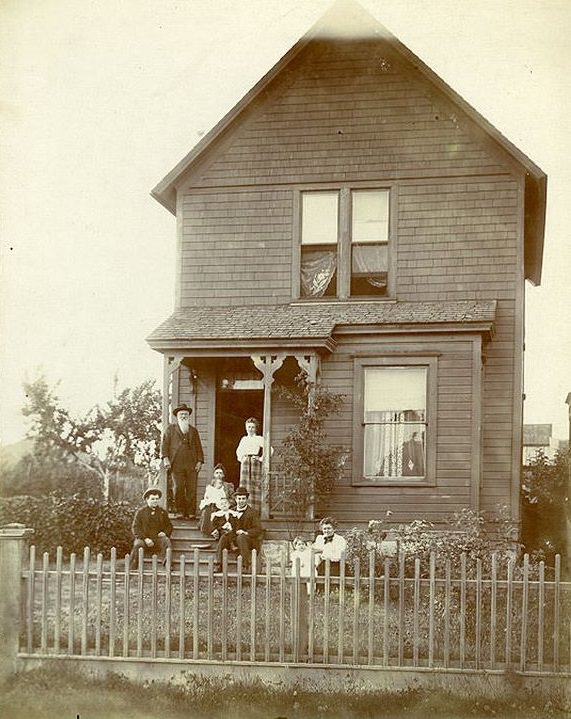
(223, 521)
(301, 550)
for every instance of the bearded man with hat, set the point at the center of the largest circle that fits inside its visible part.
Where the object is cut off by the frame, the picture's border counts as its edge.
(182, 455)
(151, 527)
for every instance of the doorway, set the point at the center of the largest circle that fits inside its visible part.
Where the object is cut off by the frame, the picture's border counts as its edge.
(233, 407)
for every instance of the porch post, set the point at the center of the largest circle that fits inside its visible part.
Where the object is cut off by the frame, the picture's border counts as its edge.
(171, 365)
(267, 365)
(14, 540)
(310, 364)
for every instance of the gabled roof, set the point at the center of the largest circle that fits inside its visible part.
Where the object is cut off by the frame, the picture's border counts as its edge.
(313, 324)
(345, 19)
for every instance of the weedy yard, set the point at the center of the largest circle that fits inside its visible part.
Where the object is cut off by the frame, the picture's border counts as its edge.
(55, 693)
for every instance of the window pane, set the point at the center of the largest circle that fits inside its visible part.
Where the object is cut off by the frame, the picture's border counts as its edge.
(319, 211)
(394, 418)
(370, 216)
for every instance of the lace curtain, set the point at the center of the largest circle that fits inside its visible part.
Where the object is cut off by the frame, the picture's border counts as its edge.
(394, 445)
(317, 270)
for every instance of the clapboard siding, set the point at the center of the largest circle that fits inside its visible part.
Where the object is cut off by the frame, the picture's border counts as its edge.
(454, 431)
(236, 248)
(339, 114)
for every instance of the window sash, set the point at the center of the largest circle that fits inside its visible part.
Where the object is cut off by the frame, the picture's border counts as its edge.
(394, 440)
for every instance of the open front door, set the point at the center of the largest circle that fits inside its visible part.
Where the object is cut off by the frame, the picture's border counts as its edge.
(233, 407)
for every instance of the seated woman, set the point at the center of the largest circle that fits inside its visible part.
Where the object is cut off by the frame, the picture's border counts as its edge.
(216, 490)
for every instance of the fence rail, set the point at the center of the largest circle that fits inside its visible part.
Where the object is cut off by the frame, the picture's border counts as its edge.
(467, 617)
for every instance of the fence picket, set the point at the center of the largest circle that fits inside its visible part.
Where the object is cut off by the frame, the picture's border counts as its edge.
(478, 594)
(71, 626)
(253, 604)
(462, 638)
(140, 590)
(356, 609)
(98, 603)
(239, 615)
(210, 605)
(112, 601)
(45, 602)
(415, 612)
(195, 602)
(282, 593)
(386, 606)
(126, 597)
(493, 609)
(182, 606)
(31, 600)
(371, 612)
(524, 608)
(341, 614)
(168, 605)
(541, 617)
(268, 612)
(85, 600)
(509, 612)
(556, 614)
(57, 608)
(326, 610)
(401, 609)
(153, 617)
(447, 596)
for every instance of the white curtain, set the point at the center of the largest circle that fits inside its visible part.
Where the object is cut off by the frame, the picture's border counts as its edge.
(394, 445)
(317, 270)
(371, 260)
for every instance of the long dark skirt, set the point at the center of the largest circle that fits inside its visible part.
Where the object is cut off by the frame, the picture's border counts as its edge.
(251, 478)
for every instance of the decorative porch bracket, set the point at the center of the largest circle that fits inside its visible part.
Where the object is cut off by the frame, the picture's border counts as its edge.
(268, 366)
(310, 364)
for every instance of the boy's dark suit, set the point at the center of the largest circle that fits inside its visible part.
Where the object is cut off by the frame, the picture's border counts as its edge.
(249, 521)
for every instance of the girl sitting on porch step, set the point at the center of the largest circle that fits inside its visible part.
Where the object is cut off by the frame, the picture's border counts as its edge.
(216, 490)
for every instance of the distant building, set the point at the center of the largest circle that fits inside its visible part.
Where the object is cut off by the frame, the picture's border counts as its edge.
(539, 437)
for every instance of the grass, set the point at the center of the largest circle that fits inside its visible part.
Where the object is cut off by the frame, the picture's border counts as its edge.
(58, 693)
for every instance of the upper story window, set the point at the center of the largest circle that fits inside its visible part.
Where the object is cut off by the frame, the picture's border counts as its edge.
(344, 238)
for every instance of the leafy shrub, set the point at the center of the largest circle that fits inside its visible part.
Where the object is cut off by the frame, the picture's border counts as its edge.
(39, 476)
(545, 504)
(469, 534)
(72, 522)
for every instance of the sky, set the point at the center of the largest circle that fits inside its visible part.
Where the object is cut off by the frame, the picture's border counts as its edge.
(99, 99)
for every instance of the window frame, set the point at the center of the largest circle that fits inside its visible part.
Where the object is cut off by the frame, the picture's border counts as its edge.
(344, 244)
(430, 362)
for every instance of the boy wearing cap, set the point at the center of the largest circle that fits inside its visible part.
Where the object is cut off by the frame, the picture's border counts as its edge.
(247, 534)
(182, 455)
(151, 527)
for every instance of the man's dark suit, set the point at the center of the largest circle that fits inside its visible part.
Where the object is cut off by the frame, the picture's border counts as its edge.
(184, 453)
(249, 521)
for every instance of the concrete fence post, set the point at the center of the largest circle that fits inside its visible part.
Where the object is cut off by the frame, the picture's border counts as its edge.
(14, 539)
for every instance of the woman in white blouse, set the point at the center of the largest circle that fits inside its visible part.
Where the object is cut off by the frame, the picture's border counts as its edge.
(250, 452)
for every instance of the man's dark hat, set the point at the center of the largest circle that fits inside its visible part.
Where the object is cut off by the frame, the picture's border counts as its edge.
(242, 490)
(180, 408)
(152, 490)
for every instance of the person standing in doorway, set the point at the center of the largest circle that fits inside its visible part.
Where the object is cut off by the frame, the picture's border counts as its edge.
(181, 452)
(250, 452)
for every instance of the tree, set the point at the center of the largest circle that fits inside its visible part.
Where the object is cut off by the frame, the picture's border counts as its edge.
(123, 434)
(309, 464)
(545, 504)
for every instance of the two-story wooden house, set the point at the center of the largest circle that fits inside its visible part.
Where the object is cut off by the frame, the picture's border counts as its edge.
(354, 217)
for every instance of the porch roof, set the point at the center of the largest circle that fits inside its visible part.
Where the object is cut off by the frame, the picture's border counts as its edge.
(313, 324)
